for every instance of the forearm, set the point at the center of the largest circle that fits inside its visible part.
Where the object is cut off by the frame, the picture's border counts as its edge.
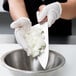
(17, 9)
(68, 9)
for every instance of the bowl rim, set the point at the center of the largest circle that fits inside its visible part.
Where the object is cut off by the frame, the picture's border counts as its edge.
(2, 61)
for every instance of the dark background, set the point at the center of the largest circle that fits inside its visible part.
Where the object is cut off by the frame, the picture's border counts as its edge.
(5, 21)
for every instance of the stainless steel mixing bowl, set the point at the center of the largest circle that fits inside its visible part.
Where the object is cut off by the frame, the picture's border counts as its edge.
(21, 65)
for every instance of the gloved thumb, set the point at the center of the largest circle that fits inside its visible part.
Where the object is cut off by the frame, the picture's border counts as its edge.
(41, 15)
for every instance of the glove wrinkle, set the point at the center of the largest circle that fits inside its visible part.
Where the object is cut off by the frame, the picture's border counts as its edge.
(52, 11)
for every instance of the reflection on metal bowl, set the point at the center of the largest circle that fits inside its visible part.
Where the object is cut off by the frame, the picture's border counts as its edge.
(22, 65)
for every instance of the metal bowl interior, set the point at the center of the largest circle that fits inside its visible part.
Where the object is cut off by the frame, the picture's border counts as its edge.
(19, 60)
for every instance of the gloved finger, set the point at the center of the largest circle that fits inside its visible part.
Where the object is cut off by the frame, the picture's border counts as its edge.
(17, 24)
(19, 34)
(51, 19)
(43, 21)
(41, 15)
(23, 21)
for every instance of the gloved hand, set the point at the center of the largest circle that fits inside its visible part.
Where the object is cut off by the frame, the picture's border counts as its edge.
(52, 11)
(21, 26)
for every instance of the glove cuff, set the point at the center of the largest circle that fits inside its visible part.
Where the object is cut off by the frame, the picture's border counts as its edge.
(23, 21)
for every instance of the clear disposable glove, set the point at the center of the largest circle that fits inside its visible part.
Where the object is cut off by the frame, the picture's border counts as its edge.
(21, 26)
(30, 38)
(51, 11)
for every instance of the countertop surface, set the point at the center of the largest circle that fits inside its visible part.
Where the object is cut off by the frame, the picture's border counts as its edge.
(63, 45)
(9, 38)
(68, 51)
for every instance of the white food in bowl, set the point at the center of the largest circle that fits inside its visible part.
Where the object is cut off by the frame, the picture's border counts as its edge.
(35, 40)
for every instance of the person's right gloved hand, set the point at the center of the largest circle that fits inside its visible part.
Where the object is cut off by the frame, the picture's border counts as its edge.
(21, 26)
(50, 13)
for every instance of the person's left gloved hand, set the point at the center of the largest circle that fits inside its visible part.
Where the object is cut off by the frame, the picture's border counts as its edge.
(30, 38)
(21, 27)
(51, 11)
